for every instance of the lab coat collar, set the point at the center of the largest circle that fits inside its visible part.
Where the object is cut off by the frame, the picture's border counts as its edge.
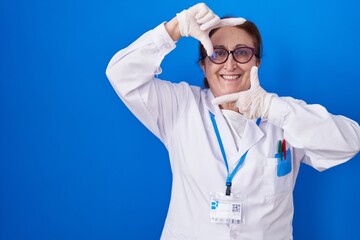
(211, 107)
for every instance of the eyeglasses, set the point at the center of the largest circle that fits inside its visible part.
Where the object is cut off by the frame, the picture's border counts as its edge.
(240, 55)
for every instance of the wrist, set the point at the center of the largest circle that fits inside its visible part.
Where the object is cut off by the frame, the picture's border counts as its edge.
(266, 105)
(172, 27)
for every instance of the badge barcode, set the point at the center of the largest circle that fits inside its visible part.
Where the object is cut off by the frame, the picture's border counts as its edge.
(236, 208)
(224, 220)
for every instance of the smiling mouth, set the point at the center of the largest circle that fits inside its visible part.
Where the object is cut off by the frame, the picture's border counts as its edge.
(231, 77)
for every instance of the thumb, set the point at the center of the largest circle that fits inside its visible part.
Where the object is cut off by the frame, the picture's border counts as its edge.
(206, 42)
(225, 99)
(254, 78)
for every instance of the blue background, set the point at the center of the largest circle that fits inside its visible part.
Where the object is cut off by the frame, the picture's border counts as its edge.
(76, 164)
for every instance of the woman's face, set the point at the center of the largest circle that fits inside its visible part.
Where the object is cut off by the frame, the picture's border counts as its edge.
(228, 77)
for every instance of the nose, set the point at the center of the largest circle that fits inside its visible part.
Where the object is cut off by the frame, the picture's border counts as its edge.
(230, 63)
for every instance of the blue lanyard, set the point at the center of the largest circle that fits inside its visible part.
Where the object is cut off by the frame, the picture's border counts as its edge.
(241, 161)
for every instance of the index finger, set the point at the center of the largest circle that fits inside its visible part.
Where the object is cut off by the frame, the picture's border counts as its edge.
(225, 99)
(231, 21)
(214, 21)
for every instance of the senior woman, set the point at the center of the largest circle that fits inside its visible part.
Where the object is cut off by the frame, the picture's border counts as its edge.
(234, 149)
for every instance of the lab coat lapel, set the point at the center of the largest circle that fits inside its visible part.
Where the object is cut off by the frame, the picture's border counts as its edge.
(226, 137)
(225, 132)
(252, 134)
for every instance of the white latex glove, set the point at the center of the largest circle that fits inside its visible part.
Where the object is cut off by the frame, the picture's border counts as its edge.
(199, 20)
(252, 103)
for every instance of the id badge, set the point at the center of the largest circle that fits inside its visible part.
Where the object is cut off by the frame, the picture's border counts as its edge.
(226, 209)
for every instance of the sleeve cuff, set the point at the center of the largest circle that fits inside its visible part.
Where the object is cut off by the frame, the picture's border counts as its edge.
(162, 39)
(279, 108)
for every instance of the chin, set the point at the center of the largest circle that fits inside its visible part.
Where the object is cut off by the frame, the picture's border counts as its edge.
(224, 91)
(230, 91)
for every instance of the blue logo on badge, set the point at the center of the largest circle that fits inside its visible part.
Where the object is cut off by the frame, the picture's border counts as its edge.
(214, 205)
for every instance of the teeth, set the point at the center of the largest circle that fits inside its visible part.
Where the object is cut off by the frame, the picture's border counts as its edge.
(230, 77)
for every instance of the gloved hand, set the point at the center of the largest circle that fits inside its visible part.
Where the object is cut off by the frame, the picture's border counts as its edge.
(199, 20)
(252, 103)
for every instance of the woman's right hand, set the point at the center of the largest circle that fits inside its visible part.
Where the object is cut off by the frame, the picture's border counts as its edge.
(197, 22)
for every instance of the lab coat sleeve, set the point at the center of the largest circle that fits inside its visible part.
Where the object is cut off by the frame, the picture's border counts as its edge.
(326, 140)
(132, 71)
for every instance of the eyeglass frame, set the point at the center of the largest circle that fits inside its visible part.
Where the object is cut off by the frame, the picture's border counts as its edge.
(253, 50)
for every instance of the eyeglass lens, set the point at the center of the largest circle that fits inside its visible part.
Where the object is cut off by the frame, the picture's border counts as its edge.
(241, 55)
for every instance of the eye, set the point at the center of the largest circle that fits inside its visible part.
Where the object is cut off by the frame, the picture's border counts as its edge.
(243, 52)
(219, 53)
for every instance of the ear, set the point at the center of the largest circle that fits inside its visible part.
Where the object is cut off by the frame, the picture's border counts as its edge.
(258, 62)
(202, 65)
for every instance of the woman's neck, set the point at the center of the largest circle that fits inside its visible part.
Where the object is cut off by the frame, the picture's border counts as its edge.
(229, 106)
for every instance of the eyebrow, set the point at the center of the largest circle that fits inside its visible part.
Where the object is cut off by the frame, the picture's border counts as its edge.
(237, 46)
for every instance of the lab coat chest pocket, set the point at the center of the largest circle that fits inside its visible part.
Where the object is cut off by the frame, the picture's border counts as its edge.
(278, 175)
(284, 164)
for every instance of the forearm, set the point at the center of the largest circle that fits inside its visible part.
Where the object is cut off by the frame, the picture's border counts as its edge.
(327, 139)
(172, 27)
(131, 73)
(137, 64)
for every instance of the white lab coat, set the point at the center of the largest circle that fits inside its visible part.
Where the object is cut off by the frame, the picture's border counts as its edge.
(178, 114)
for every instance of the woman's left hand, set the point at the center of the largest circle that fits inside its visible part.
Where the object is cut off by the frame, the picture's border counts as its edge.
(252, 103)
